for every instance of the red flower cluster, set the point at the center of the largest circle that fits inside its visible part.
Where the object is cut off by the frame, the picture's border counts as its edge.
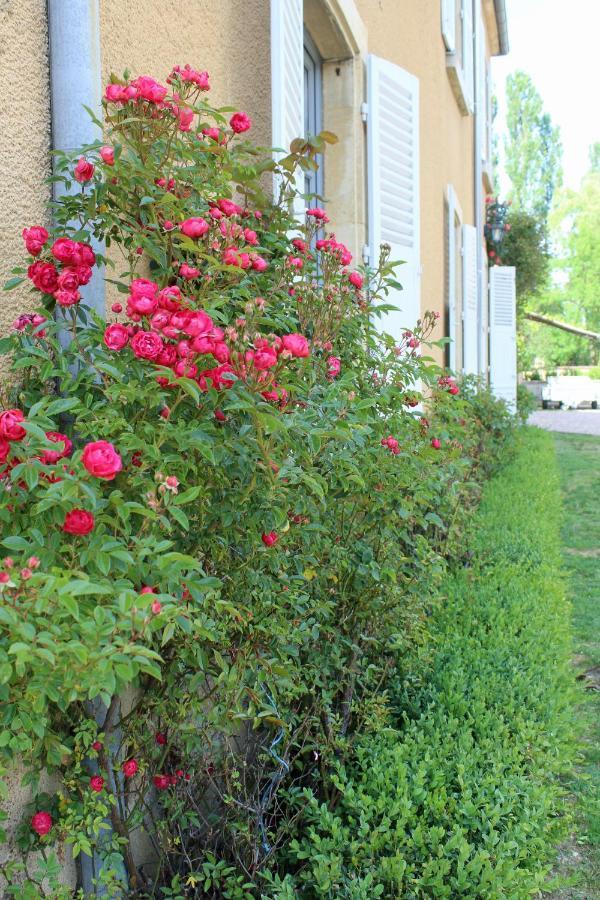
(179, 337)
(76, 260)
(449, 384)
(392, 444)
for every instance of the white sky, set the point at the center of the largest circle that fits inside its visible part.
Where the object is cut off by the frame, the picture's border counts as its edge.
(557, 42)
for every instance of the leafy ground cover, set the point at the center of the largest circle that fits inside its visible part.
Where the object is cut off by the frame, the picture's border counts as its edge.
(460, 797)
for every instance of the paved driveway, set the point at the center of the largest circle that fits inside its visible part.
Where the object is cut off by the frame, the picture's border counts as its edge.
(570, 421)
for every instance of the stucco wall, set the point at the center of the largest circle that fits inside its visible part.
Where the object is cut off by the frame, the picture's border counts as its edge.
(229, 39)
(24, 139)
(409, 34)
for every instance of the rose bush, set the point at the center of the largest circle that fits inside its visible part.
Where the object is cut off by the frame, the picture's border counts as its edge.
(224, 519)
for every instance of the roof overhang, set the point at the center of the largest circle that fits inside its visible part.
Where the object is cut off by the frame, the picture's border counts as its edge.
(502, 26)
(494, 13)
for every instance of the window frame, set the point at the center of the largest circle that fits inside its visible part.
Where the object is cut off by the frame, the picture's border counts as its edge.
(314, 182)
(460, 61)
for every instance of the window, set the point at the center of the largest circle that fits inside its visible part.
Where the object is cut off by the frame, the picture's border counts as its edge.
(457, 32)
(313, 109)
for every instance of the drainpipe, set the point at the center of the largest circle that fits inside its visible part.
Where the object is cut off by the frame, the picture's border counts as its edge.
(478, 125)
(75, 82)
(502, 24)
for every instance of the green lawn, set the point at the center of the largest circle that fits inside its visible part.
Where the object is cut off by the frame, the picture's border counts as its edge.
(579, 465)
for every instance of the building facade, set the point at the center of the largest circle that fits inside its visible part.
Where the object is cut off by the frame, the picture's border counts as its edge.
(404, 84)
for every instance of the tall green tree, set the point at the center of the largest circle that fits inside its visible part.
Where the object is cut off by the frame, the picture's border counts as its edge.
(532, 148)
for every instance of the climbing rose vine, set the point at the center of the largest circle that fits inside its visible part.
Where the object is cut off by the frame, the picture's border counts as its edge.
(224, 511)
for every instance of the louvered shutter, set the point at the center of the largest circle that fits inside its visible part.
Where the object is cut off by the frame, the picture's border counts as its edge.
(484, 320)
(467, 14)
(451, 274)
(470, 318)
(503, 333)
(287, 78)
(393, 183)
(449, 24)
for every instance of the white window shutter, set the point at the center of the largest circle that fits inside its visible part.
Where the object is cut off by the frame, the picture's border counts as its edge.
(467, 13)
(393, 184)
(451, 274)
(484, 320)
(470, 323)
(503, 334)
(287, 78)
(449, 24)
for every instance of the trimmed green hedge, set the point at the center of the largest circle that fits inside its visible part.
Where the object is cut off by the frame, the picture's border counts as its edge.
(461, 799)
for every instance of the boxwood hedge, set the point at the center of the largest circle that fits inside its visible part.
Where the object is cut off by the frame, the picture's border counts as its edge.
(460, 798)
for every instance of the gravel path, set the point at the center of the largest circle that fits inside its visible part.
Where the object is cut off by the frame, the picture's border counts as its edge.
(570, 421)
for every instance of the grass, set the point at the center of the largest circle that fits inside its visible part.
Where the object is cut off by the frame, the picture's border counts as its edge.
(579, 466)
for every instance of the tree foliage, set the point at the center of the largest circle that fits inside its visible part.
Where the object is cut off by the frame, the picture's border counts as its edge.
(532, 148)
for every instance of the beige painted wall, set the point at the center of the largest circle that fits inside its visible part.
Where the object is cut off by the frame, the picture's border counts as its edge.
(229, 39)
(24, 140)
(408, 33)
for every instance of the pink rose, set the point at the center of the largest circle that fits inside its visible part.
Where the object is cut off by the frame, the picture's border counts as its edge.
(194, 228)
(146, 344)
(115, 93)
(167, 355)
(66, 251)
(107, 155)
(41, 823)
(258, 263)
(334, 367)
(97, 783)
(101, 460)
(83, 272)
(51, 457)
(169, 298)
(84, 170)
(141, 304)
(68, 280)
(67, 298)
(86, 255)
(78, 521)
(229, 208)
(44, 276)
(35, 238)
(188, 272)
(10, 425)
(436, 443)
(265, 358)
(317, 213)
(142, 287)
(356, 279)
(149, 89)
(116, 337)
(214, 134)
(4, 449)
(200, 79)
(296, 344)
(129, 767)
(270, 538)
(161, 782)
(240, 122)
(185, 118)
